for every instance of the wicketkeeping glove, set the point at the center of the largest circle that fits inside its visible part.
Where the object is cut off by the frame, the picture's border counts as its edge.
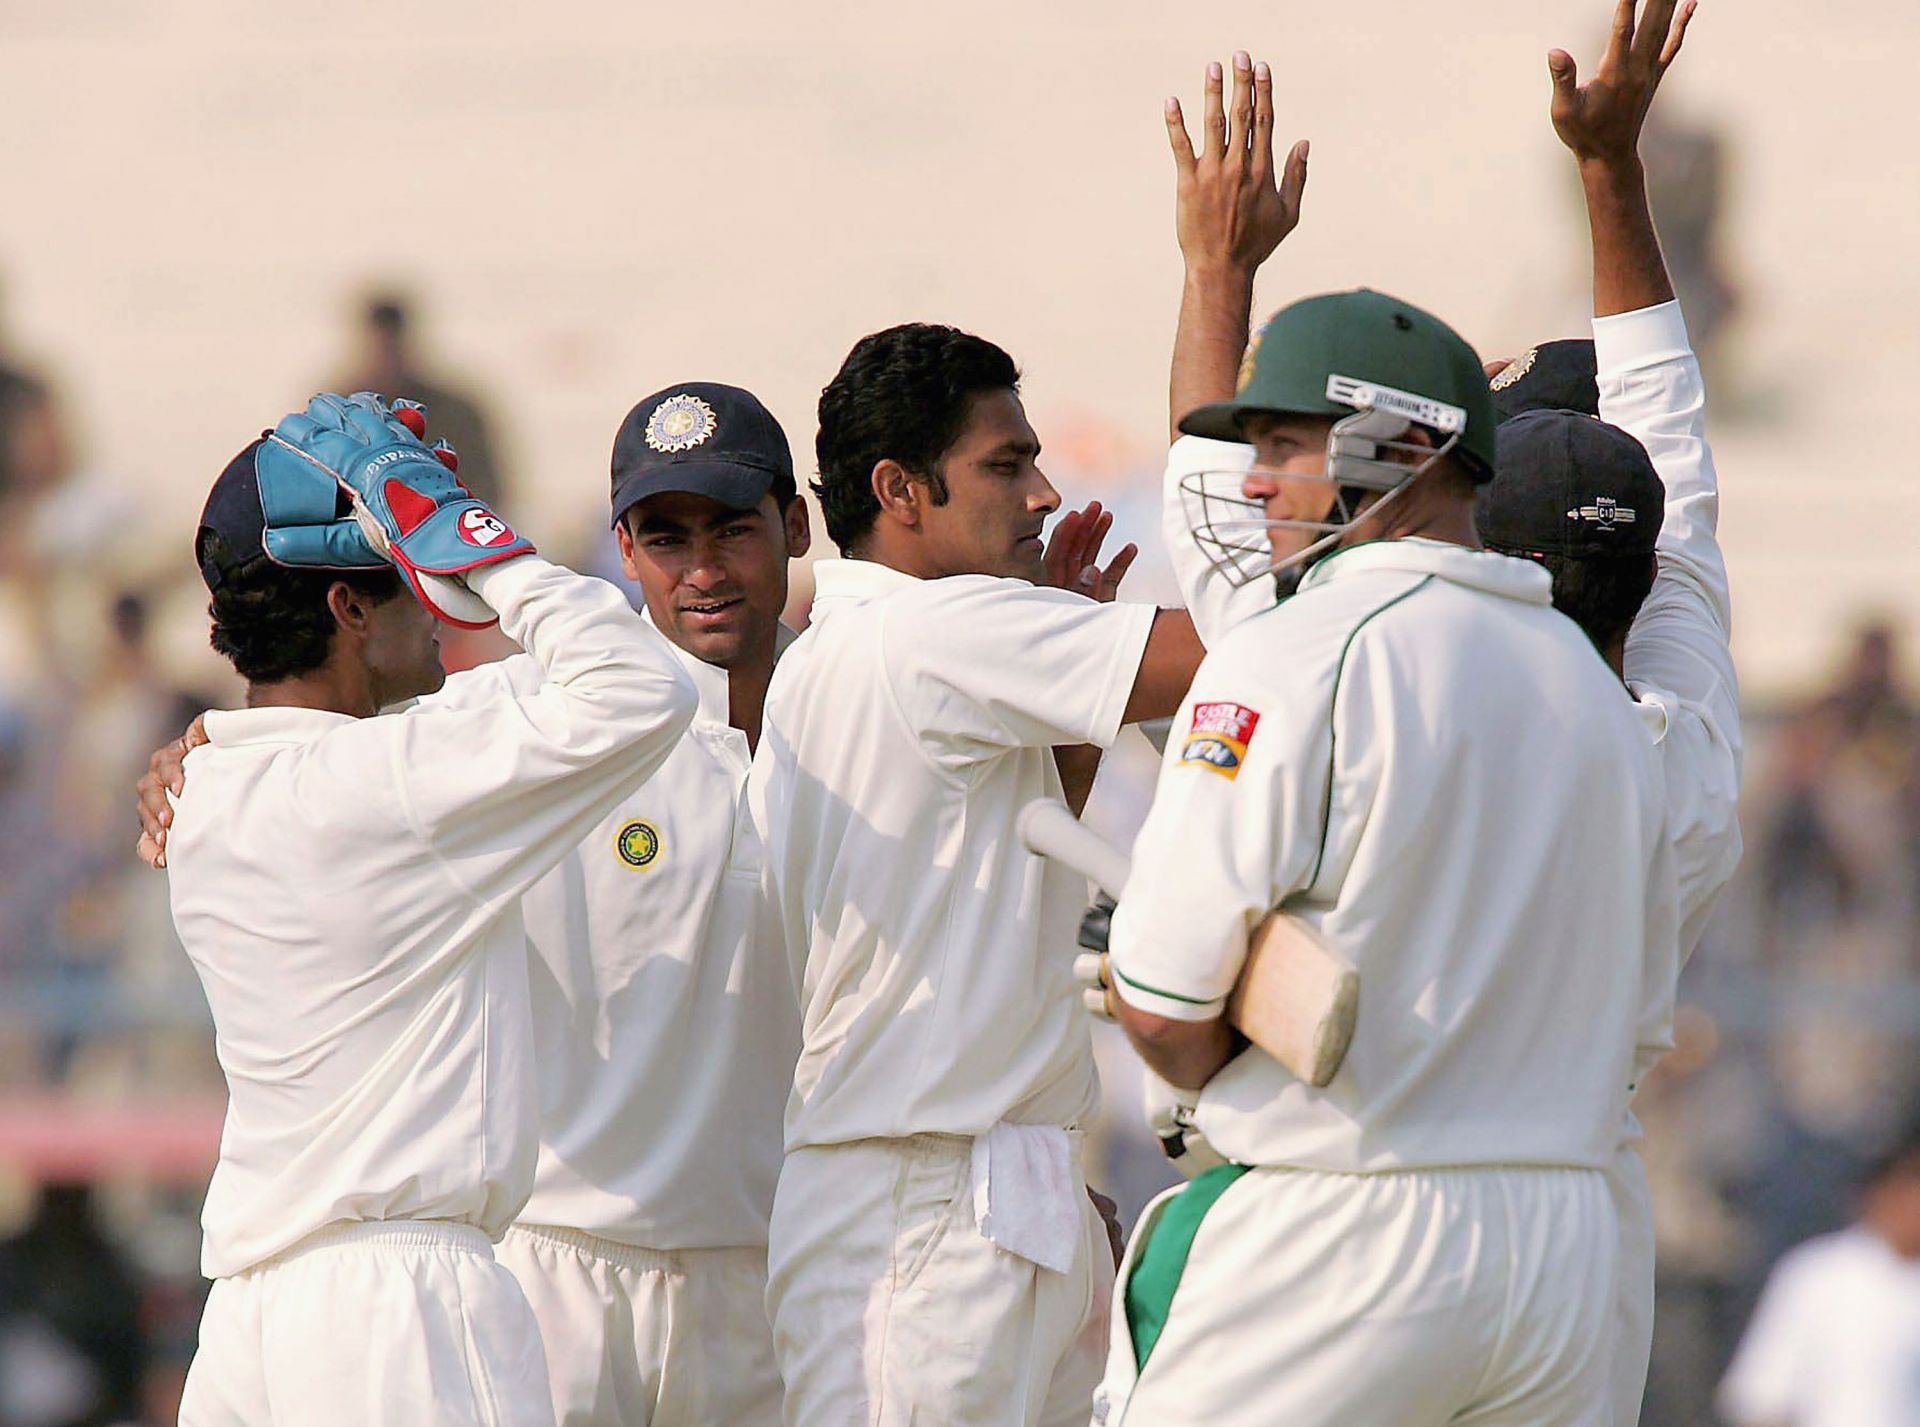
(407, 503)
(309, 520)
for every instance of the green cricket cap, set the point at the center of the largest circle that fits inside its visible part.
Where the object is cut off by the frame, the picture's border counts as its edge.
(1360, 343)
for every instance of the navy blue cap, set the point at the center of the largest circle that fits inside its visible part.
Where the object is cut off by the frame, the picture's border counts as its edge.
(228, 545)
(1554, 376)
(1565, 483)
(705, 438)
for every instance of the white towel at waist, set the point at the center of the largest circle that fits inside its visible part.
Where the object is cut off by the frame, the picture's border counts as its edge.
(1027, 1194)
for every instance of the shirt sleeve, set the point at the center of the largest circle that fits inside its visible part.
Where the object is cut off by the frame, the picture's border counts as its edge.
(503, 788)
(983, 665)
(512, 677)
(1234, 830)
(1215, 602)
(1650, 387)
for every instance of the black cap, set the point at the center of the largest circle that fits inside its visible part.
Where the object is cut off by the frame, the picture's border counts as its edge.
(228, 544)
(1565, 483)
(1554, 376)
(712, 440)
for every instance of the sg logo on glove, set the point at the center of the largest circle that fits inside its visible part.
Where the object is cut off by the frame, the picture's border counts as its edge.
(479, 526)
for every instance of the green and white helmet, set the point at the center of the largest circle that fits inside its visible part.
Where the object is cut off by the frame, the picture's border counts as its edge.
(1378, 366)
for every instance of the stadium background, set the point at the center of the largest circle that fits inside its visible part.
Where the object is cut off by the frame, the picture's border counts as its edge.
(583, 202)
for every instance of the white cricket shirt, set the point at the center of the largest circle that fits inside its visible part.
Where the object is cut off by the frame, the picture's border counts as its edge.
(348, 889)
(1834, 1341)
(665, 1032)
(1431, 768)
(1679, 664)
(904, 732)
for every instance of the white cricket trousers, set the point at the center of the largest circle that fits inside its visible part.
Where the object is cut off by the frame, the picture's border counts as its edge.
(398, 1324)
(890, 1307)
(1633, 1293)
(643, 1338)
(1411, 1299)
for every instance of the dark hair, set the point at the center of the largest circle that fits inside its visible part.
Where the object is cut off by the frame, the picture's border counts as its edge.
(902, 395)
(273, 622)
(1600, 593)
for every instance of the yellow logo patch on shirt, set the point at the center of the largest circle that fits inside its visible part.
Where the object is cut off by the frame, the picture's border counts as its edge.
(638, 843)
(1218, 737)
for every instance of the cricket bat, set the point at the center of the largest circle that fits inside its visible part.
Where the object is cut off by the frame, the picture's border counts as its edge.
(1295, 999)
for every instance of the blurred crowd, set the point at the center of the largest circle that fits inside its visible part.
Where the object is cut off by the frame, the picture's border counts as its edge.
(1799, 1047)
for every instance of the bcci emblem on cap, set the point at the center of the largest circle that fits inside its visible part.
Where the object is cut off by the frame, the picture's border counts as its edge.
(1218, 738)
(638, 843)
(680, 423)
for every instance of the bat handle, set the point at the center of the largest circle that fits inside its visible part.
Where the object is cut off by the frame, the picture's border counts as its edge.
(1048, 828)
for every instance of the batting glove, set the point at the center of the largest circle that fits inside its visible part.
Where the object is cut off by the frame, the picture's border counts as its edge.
(407, 503)
(1170, 1114)
(1090, 967)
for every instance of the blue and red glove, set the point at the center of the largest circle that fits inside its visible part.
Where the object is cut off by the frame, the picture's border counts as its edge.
(408, 506)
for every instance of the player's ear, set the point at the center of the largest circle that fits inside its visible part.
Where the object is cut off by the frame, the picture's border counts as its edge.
(897, 492)
(623, 534)
(799, 527)
(352, 611)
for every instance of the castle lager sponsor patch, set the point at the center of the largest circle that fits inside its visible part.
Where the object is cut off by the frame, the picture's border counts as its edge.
(1218, 738)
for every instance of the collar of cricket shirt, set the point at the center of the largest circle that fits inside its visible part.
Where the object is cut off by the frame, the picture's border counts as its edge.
(710, 681)
(230, 728)
(838, 582)
(1505, 575)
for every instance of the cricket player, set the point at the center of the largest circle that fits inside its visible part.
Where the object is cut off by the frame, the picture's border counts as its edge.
(347, 888)
(1582, 496)
(1423, 762)
(933, 1255)
(664, 1019)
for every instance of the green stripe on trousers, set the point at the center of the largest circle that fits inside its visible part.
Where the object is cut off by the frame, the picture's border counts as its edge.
(1156, 1273)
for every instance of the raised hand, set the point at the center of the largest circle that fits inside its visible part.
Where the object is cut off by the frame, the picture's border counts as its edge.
(1073, 554)
(1600, 121)
(1230, 210)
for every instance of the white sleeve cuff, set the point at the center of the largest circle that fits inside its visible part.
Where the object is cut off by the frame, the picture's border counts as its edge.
(1157, 1002)
(1130, 653)
(1642, 338)
(1203, 453)
(502, 580)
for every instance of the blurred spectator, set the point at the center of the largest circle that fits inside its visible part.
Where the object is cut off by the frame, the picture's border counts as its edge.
(72, 1351)
(1839, 853)
(389, 362)
(1687, 186)
(1835, 1341)
(1846, 776)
